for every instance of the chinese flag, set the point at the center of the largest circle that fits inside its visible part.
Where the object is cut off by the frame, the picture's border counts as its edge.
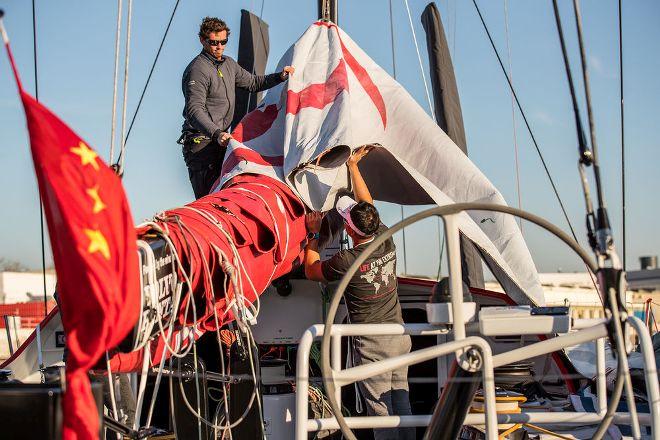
(94, 250)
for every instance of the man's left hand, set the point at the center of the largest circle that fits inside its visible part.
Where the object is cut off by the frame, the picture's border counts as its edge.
(313, 221)
(288, 70)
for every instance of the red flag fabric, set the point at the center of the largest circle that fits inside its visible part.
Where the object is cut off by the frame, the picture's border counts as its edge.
(94, 251)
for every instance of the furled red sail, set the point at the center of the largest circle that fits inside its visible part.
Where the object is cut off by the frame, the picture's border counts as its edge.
(254, 227)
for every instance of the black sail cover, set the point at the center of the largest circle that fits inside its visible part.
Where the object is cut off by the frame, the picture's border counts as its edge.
(449, 117)
(253, 47)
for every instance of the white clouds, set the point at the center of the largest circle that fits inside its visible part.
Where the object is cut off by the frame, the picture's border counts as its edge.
(544, 117)
(596, 65)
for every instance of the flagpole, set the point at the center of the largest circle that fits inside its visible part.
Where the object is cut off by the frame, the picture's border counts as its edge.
(5, 40)
(41, 206)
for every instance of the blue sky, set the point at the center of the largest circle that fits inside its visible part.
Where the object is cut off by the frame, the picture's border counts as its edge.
(75, 41)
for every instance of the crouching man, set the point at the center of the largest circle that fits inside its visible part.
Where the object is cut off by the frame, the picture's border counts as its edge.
(371, 297)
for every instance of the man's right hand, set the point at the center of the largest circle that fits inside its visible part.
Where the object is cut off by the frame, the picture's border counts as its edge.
(313, 221)
(221, 138)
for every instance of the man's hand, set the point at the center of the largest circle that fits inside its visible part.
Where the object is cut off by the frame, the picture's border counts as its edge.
(313, 221)
(359, 153)
(223, 139)
(360, 190)
(288, 70)
(312, 260)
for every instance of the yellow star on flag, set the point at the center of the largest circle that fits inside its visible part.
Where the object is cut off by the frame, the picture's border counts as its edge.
(98, 203)
(97, 243)
(87, 155)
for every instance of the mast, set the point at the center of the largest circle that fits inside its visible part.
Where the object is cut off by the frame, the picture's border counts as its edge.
(328, 10)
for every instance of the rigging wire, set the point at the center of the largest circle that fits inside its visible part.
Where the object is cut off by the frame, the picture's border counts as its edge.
(585, 153)
(113, 125)
(623, 149)
(453, 33)
(127, 57)
(146, 85)
(403, 232)
(41, 207)
(529, 128)
(419, 59)
(590, 115)
(513, 112)
(603, 242)
(392, 41)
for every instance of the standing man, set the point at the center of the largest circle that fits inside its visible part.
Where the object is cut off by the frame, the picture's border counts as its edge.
(371, 297)
(208, 85)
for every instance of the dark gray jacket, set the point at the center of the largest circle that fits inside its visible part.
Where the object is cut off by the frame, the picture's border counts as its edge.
(208, 88)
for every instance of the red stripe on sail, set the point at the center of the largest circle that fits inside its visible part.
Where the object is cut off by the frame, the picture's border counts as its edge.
(327, 24)
(321, 94)
(255, 123)
(367, 83)
(245, 154)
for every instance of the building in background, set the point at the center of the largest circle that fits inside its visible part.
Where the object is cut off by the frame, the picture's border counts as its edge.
(645, 284)
(19, 287)
(577, 290)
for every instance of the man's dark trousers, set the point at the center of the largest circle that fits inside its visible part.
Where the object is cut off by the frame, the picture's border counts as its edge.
(204, 162)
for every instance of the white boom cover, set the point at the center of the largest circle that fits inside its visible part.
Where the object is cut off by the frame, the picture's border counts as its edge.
(339, 99)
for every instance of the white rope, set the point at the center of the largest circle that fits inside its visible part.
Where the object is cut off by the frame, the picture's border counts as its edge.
(125, 97)
(419, 59)
(197, 413)
(238, 262)
(113, 126)
(111, 387)
(392, 42)
(238, 290)
(146, 360)
(513, 111)
(163, 357)
(238, 303)
(176, 299)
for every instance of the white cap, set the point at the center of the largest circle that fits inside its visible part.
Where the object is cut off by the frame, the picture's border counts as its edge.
(344, 206)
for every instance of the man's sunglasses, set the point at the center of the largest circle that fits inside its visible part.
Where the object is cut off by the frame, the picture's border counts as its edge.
(217, 42)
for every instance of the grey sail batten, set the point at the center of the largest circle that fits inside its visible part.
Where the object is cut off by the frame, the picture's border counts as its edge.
(253, 48)
(449, 116)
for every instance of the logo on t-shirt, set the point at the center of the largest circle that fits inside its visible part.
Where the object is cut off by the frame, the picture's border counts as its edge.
(379, 271)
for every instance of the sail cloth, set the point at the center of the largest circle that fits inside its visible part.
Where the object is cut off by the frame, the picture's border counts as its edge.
(338, 99)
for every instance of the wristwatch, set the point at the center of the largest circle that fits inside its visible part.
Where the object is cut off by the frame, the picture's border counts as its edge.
(313, 236)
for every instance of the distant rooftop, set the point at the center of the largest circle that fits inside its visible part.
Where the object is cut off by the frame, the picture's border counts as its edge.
(644, 279)
(571, 280)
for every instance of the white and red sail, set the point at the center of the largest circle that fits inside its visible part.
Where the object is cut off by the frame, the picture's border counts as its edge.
(339, 99)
